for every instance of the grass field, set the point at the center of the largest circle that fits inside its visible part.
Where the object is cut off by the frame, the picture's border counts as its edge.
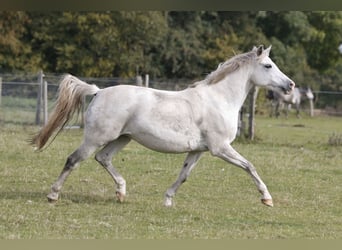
(219, 201)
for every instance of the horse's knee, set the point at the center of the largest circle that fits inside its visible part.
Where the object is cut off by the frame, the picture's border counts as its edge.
(99, 158)
(250, 168)
(102, 158)
(76, 157)
(71, 162)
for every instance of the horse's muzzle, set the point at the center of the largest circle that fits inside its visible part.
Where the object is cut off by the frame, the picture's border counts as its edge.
(290, 88)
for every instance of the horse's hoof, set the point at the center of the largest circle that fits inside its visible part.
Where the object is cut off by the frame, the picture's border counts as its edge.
(120, 197)
(52, 198)
(52, 201)
(168, 202)
(267, 202)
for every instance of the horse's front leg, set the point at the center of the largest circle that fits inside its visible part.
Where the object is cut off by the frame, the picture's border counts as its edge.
(228, 153)
(297, 110)
(189, 163)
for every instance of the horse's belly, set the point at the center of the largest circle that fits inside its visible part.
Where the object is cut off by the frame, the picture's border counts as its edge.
(169, 141)
(166, 125)
(170, 146)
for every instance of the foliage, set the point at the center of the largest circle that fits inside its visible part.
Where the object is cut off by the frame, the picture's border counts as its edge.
(322, 49)
(96, 44)
(171, 44)
(14, 54)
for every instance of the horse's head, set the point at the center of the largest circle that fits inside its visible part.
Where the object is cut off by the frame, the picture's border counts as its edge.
(266, 72)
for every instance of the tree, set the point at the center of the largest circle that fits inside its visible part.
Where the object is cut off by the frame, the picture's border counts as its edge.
(140, 37)
(79, 43)
(14, 54)
(173, 44)
(182, 49)
(96, 43)
(322, 48)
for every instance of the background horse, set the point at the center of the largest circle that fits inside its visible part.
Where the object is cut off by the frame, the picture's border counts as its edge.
(203, 117)
(284, 102)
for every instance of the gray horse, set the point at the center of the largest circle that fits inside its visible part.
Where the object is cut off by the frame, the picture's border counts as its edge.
(201, 118)
(283, 101)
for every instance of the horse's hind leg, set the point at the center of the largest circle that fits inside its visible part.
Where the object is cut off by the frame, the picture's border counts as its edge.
(297, 110)
(189, 163)
(83, 152)
(277, 112)
(104, 157)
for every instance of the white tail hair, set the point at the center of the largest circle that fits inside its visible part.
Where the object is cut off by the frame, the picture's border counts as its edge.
(70, 98)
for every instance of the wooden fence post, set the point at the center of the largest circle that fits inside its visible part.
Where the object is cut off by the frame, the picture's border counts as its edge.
(83, 111)
(252, 104)
(311, 108)
(39, 96)
(0, 89)
(45, 101)
(147, 80)
(241, 123)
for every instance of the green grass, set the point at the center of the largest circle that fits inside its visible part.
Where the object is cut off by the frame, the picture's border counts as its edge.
(22, 111)
(294, 158)
(16, 110)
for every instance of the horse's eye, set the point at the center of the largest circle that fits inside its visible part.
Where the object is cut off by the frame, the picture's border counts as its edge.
(268, 66)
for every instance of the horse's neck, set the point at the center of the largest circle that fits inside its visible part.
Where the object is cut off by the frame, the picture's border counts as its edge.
(234, 88)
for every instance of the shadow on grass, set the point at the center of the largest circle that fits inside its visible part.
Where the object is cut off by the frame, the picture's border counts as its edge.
(22, 195)
(65, 198)
(78, 198)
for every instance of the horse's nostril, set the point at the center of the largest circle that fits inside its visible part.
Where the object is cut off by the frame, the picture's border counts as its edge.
(292, 84)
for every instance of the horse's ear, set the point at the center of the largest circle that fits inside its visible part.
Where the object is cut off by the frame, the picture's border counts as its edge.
(260, 49)
(267, 51)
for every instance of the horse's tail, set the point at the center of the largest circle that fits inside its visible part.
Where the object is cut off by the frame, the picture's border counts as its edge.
(70, 98)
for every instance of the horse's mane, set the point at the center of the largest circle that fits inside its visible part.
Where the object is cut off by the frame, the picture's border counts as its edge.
(230, 66)
(226, 68)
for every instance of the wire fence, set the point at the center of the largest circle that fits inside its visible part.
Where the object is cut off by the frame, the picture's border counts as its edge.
(21, 103)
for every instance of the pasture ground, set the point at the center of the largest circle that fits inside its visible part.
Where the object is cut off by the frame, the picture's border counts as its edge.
(219, 201)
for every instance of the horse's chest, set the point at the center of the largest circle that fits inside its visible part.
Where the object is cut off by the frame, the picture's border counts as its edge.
(223, 123)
